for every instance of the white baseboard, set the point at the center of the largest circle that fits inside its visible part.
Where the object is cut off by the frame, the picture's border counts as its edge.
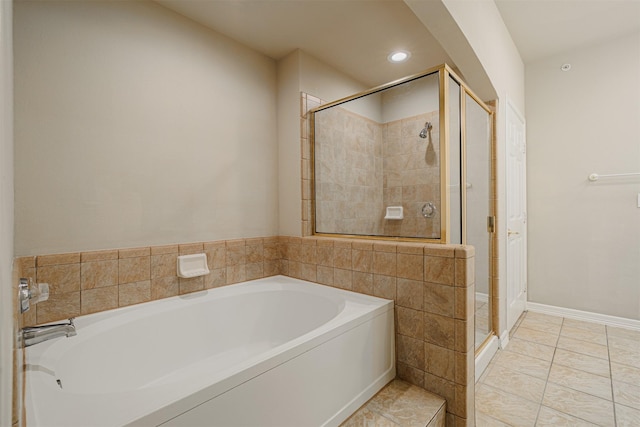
(586, 316)
(485, 356)
(482, 297)
(504, 340)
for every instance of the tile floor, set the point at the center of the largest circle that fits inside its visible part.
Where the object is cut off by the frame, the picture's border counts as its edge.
(562, 372)
(400, 404)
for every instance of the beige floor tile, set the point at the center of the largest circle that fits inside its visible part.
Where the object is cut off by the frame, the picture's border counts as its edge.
(624, 356)
(581, 405)
(548, 417)
(406, 404)
(624, 373)
(627, 417)
(581, 361)
(632, 334)
(625, 343)
(584, 335)
(583, 347)
(540, 337)
(581, 381)
(483, 420)
(524, 364)
(516, 383)
(626, 394)
(532, 349)
(556, 320)
(590, 326)
(505, 407)
(541, 325)
(366, 418)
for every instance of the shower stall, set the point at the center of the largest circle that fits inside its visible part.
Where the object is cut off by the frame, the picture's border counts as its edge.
(411, 160)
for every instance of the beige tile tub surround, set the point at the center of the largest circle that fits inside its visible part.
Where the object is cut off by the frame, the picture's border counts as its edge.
(433, 289)
(89, 282)
(432, 286)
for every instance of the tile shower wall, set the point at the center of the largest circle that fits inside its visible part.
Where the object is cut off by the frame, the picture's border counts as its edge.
(374, 166)
(432, 286)
(349, 174)
(411, 174)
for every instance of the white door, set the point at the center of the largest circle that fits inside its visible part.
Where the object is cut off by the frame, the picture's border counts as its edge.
(516, 216)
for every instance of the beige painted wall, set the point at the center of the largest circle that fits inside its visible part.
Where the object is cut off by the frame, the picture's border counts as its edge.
(136, 127)
(6, 212)
(300, 72)
(584, 238)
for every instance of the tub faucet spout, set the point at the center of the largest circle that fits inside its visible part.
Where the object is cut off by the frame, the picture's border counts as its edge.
(37, 334)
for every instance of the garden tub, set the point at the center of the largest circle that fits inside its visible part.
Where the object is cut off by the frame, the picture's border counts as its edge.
(270, 352)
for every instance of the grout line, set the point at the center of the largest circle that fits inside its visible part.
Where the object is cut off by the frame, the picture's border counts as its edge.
(613, 396)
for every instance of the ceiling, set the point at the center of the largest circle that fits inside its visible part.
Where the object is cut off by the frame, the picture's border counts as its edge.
(356, 36)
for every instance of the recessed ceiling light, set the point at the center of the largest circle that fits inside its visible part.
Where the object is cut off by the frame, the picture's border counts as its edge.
(565, 67)
(398, 56)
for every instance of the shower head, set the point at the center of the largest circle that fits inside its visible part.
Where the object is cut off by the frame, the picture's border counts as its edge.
(427, 128)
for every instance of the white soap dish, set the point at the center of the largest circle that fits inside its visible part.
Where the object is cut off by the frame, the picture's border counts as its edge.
(192, 265)
(394, 212)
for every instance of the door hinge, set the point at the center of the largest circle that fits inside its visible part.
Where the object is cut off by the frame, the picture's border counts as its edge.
(491, 224)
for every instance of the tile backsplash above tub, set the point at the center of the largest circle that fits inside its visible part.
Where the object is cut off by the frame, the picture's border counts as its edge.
(89, 282)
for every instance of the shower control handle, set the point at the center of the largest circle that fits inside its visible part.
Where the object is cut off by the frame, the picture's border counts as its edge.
(429, 210)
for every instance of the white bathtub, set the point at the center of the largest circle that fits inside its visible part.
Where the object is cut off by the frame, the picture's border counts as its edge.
(270, 352)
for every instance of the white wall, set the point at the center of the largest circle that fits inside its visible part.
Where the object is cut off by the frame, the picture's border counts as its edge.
(136, 126)
(584, 238)
(6, 212)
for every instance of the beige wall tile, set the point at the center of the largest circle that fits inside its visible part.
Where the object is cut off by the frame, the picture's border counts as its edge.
(439, 361)
(61, 278)
(385, 247)
(216, 278)
(464, 304)
(465, 272)
(190, 248)
(325, 275)
(164, 250)
(411, 248)
(465, 251)
(255, 253)
(410, 374)
(410, 266)
(70, 258)
(134, 252)
(191, 284)
(384, 263)
(410, 351)
(343, 278)
(342, 257)
(324, 255)
(439, 270)
(410, 322)
(98, 274)
(100, 299)
(308, 272)
(363, 283)
(361, 260)
(439, 330)
(464, 335)
(464, 368)
(58, 307)
(236, 255)
(308, 252)
(164, 287)
(410, 293)
(132, 270)
(271, 268)
(440, 299)
(442, 251)
(164, 265)
(98, 255)
(255, 270)
(384, 286)
(271, 252)
(134, 293)
(236, 274)
(216, 254)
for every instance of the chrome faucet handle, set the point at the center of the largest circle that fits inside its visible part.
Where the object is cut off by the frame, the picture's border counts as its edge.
(24, 294)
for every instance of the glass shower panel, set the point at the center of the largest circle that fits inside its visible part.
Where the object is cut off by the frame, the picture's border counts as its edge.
(376, 161)
(455, 163)
(478, 198)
